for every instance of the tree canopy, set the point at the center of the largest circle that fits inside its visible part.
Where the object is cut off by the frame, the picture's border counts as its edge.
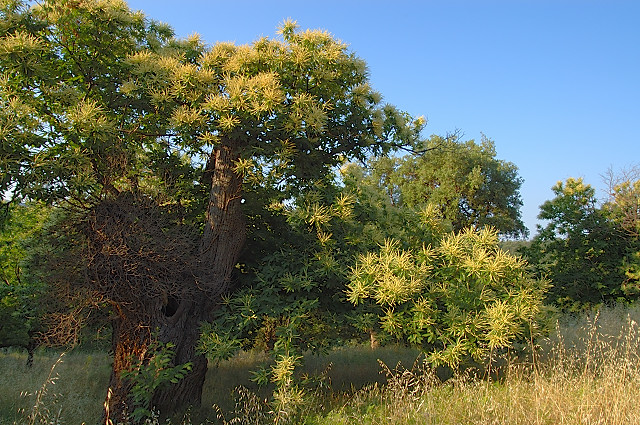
(463, 179)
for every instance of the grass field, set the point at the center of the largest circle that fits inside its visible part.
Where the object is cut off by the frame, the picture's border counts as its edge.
(588, 372)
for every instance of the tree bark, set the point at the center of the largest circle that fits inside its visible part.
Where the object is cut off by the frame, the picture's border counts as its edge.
(225, 233)
(131, 339)
(177, 319)
(373, 339)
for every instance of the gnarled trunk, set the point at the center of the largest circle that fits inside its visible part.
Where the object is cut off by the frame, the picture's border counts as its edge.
(176, 317)
(133, 333)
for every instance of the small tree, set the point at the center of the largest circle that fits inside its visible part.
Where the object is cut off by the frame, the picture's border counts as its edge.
(21, 308)
(461, 299)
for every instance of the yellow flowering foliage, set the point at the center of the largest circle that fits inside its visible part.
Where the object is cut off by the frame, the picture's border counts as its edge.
(460, 299)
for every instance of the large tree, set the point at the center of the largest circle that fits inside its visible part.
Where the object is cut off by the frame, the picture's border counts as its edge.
(154, 144)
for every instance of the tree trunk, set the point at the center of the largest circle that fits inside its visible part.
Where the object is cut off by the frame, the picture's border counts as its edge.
(177, 318)
(133, 332)
(224, 233)
(373, 339)
(129, 342)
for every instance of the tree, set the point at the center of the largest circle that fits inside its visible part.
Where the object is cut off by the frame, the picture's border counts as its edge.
(624, 199)
(623, 208)
(21, 310)
(580, 249)
(463, 179)
(153, 144)
(460, 299)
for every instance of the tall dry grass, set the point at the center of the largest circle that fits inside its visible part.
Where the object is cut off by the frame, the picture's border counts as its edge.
(57, 387)
(587, 372)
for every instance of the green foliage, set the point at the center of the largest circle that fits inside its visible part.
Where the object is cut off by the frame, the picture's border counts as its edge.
(581, 250)
(23, 224)
(378, 217)
(295, 287)
(217, 346)
(61, 76)
(464, 180)
(21, 290)
(16, 317)
(147, 375)
(460, 299)
(631, 269)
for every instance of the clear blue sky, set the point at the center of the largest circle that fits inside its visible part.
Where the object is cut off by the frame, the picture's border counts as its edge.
(556, 84)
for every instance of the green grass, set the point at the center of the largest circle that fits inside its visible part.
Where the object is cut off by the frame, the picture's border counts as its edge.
(75, 386)
(81, 378)
(588, 372)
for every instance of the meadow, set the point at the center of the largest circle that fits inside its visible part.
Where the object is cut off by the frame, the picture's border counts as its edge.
(586, 372)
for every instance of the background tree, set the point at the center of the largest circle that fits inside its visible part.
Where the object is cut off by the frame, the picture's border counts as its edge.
(465, 180)
(623, 208)
(580, 249)
(153, 144)
(623, 201)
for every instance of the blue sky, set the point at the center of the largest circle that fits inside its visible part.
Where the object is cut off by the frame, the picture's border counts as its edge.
(556, 84)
